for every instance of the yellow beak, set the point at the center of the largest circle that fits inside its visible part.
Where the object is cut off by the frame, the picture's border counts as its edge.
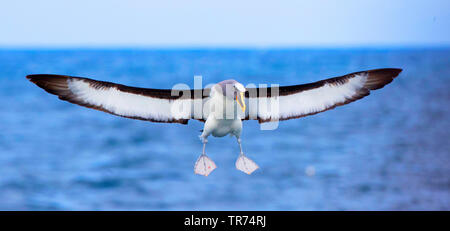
(241, 101)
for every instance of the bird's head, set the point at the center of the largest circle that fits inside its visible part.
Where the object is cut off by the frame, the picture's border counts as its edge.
(234, 90)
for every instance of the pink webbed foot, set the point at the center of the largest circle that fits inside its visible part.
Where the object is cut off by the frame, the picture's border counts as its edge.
(204, 165)
(245, 164)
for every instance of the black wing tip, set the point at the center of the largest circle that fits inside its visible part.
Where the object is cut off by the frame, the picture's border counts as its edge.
(44, 75)
(397, 71)
(53, 84)
(378, 78)
(35, 78)
(393, 72)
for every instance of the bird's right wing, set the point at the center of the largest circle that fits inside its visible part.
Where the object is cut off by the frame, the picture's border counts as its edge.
(156, 105)
(312, 98)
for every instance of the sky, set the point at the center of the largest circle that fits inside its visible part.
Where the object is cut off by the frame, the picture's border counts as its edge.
(230, 23)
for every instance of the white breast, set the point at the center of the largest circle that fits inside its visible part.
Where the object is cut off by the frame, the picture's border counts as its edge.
(222, 127)
(222, 107)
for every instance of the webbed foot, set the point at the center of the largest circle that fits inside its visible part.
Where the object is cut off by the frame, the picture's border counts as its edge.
(204, 165)
(245, 164)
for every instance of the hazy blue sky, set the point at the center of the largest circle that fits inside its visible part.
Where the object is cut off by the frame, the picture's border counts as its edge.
(131, 23)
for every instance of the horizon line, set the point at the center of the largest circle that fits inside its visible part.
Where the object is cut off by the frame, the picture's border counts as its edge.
(222, 47)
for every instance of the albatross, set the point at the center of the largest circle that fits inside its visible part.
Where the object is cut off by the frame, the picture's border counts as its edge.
(221, 107)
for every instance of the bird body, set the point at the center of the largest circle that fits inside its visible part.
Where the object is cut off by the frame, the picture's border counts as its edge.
(222, 107)
(224, 118)
(222, 127)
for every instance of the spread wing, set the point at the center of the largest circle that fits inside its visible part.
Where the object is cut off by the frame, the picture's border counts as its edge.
(309, 99)
(156, 105)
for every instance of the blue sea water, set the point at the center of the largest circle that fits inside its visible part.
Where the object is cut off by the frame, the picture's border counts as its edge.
(388, 151)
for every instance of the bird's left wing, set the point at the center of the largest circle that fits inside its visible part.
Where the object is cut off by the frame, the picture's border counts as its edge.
(290, 102)
(156, 105)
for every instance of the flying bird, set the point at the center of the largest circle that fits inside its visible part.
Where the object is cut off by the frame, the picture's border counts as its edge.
(221, 107)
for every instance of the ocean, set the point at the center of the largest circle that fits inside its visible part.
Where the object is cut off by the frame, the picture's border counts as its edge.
(388, 151)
